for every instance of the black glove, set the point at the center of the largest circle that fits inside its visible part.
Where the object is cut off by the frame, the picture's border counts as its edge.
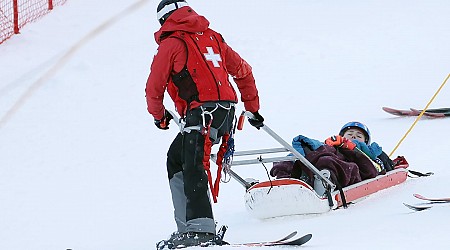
(164, 122)
(257, 120)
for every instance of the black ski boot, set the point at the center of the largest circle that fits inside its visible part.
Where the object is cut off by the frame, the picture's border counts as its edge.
(190, 239)
(165, 244)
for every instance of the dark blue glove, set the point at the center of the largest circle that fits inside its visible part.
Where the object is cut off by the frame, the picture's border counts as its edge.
(164, 122)
(257, 120)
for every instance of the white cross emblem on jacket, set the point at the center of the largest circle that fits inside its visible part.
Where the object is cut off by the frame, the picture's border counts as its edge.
(211, 56)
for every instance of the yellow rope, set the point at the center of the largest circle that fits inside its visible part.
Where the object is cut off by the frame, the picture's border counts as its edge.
(65, 58)
(420, 115)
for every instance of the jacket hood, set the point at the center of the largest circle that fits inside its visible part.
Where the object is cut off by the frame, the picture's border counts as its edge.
(182, 19)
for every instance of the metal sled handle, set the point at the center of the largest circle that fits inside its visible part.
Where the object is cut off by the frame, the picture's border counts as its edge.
(175, 117)
(287, 146)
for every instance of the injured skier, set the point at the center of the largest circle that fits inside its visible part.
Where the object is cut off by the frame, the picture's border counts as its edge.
(345, 159)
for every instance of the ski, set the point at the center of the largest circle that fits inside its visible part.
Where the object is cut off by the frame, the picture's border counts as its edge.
(438, 110)
(426, 205)
(287, 240)
(223, 230)
(421, 197)
(399, 112)
(287, 237)
(430, 202)
(282, 242)
(431, 113)
(299, 241)
(417, 207)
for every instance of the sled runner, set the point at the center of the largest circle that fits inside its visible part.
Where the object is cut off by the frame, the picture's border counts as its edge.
(289, 196)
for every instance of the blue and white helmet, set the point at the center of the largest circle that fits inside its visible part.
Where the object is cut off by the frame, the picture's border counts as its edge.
(359, 125)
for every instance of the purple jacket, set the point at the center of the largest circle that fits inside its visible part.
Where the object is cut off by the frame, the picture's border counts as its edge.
(346, 166)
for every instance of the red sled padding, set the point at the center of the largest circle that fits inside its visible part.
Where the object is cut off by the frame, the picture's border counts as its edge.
(367, 187)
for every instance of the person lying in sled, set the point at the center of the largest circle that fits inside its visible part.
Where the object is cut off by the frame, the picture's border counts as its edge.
(346, 158)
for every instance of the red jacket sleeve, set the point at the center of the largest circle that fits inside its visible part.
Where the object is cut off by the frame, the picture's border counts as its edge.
(171, 57)
(242, 75)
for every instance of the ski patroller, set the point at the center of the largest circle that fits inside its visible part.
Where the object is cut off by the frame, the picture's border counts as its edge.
(431, 113)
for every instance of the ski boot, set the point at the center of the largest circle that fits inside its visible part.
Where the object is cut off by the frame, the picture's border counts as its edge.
(319, 185)
(190, 239)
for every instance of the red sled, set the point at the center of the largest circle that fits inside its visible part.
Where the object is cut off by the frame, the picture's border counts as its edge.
(289, 196)
(284, 197)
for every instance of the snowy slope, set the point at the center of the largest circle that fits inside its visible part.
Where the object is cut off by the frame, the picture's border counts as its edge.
(83, 167)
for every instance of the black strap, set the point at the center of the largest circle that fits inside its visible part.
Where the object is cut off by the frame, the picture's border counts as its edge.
(341, 192)
(344, 201)
(418, 174)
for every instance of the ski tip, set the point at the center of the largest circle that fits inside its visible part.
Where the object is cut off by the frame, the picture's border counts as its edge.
(417, 208)
(398, 112)
(290, 235)
(308, 237)
(391, 110)
(300, 241)
(387, 109)
(418, 196)
(410, 207)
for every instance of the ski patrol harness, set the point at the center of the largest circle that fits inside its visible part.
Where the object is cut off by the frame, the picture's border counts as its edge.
(210, 134)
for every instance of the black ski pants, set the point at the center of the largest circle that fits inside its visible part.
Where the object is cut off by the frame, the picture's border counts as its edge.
(187, 177)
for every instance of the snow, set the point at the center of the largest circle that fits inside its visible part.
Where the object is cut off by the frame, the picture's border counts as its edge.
(83, 167)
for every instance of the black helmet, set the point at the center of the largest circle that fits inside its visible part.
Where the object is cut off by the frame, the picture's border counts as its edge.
(167, 7)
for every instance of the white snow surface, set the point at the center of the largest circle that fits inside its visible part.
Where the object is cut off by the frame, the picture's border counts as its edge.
(82, 165)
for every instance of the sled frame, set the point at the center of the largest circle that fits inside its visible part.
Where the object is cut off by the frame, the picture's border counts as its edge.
(286, 147)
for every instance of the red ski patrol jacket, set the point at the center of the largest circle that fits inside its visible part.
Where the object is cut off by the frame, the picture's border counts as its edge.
(188, 47)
